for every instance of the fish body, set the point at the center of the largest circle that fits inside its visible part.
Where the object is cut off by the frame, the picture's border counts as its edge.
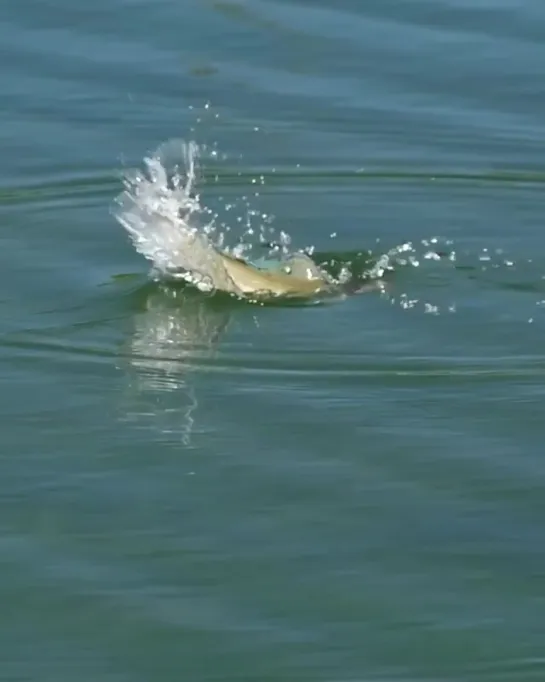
(296, 277)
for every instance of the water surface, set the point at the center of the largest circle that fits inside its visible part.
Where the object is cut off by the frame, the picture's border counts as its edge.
(202, 489)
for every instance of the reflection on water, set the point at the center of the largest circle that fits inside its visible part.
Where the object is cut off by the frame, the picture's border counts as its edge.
(177, 329)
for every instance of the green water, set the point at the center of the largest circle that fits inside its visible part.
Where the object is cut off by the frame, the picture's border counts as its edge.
(194, 488)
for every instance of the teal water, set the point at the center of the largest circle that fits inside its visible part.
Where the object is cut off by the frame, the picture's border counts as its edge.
(195, 488)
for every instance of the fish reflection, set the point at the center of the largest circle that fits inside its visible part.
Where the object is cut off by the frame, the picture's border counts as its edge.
(175, 333)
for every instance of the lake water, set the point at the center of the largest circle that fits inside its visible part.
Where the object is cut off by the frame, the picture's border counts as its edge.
(198, 489)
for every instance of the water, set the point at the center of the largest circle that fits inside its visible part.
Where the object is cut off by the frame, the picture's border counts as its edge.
(198, 488)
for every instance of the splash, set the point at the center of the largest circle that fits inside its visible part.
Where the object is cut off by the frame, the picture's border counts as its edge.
(162, 213)
(164, 218)
(168, 225)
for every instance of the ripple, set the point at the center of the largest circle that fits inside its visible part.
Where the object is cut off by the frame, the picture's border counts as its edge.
(104, 186)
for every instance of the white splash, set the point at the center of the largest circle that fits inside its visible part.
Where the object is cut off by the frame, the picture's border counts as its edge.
(165, 220)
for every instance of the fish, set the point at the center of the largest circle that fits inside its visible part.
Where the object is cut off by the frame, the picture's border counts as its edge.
(294, 277)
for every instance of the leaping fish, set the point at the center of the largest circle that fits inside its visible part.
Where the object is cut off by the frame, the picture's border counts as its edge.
(295, 277)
